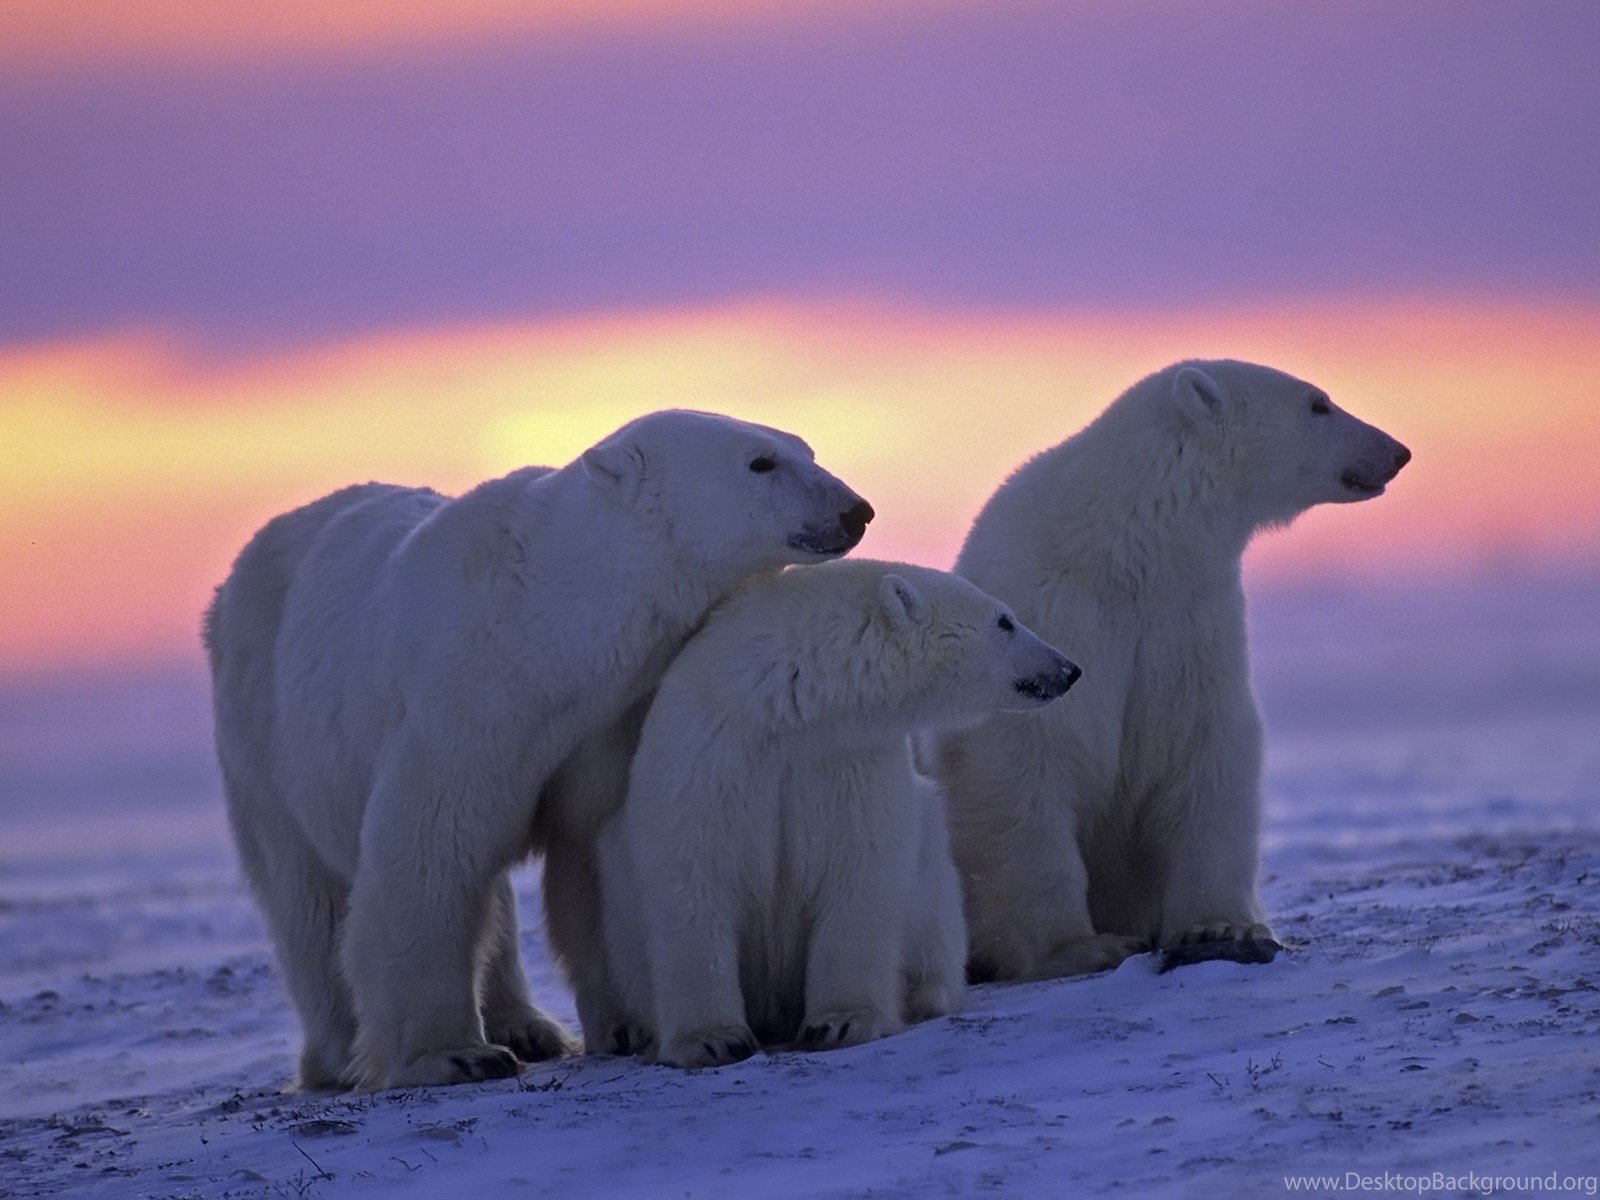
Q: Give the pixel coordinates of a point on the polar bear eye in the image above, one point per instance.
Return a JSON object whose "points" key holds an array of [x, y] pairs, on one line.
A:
{"points": [[1006, 624], [763, 464], [1320, 406]]}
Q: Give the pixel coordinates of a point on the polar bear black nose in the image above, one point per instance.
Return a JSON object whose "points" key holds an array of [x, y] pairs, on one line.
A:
{"points": [[855, 518], [1074, 673], [1401, 457]]}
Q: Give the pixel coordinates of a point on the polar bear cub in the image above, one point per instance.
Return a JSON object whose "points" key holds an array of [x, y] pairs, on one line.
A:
{"points": [[399, 676], [779, 870], [1131, 815]]}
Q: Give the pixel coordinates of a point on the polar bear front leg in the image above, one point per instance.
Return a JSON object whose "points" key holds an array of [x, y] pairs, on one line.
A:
{"points": [[854, 975], [510, 1018], [693, 945], [409, 956], [430, 857], [700, 1018], [1210, 873], [1210, 815], [936, 937]]}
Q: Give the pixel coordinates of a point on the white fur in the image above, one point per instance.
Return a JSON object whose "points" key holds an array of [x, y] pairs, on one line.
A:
{"points": [[1130, 815], [779, 868], [400, 683]]}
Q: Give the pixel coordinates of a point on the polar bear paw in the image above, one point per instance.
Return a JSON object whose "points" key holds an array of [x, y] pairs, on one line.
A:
{"points": [[324, 1069], [531, 1035], [1096, 952], [1221, 931], [467, 1064], [627, 1037], [931, 1001], [713, 1046], [844, 1027]]}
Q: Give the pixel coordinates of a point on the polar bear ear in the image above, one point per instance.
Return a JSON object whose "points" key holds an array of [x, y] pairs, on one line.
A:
{"points": [[615, 463], [900, 600], [1198, 394]]}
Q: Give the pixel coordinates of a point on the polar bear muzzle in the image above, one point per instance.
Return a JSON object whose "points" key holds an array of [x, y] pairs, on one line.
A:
{"points": [[836, 539], [1051, 684], [1382, 465]]}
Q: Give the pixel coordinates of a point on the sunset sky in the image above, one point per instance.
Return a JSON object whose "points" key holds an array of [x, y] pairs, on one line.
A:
{"points": [[251, 252]]}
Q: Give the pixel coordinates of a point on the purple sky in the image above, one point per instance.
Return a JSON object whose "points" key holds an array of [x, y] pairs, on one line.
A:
{"points": [[1012, 154]]}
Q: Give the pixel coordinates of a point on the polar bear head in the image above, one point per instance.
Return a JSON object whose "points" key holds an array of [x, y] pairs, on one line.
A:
{"points": [[1278, 445], [869, 649], [966, 656], [729, 495]]}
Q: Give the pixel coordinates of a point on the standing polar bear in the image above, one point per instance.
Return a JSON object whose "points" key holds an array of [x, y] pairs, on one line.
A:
{"points": [[1130, 816], [399, 680], [779, 868]]}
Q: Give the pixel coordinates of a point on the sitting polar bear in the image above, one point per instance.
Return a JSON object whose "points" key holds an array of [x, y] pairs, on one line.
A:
{"points": [[399, 679], [779, 869], [1131, 815]]}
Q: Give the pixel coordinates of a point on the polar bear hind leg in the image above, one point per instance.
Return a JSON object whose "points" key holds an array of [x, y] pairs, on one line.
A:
{"points": [[305, 906]]}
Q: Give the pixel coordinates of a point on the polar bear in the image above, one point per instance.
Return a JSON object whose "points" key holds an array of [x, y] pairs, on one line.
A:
{"points": [[780, 869], [1130, 816], [398, 678]]}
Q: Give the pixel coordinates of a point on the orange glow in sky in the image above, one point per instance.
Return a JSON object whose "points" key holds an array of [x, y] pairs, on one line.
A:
{"points": [[134, 472], [36, 35]]}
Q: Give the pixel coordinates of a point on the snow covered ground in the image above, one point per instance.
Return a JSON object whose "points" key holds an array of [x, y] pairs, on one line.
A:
{"points": [[1433, 863]]}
